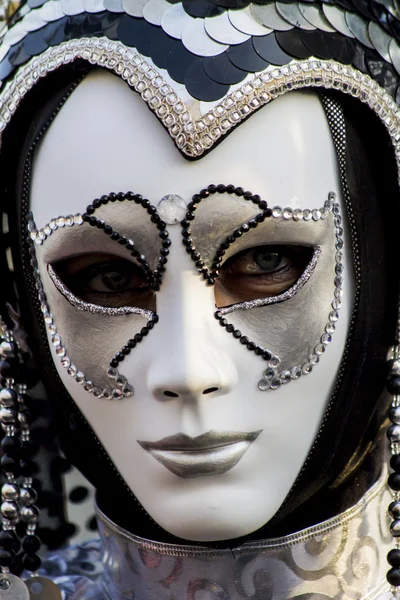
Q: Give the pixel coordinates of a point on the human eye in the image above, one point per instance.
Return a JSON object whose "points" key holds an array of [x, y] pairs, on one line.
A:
{"points": [[260, 272], [106, 280]]}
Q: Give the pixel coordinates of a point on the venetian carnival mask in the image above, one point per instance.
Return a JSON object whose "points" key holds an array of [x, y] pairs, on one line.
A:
{"points": [[198, 440], [212, 313]]}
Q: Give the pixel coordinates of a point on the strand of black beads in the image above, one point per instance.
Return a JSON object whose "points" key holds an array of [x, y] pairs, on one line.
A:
{"points": [[210, 275], [156, 276], [393, 434], [29, 511], [124, 241], [132, 343], [10, 446], [243, 339]]}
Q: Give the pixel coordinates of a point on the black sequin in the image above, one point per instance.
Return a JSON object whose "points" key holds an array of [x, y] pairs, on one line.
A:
{"points": [[17, 54], [35, 43], [74, 27], [54, 33], [5, 68], [221, 70], [314, 41], [179, 61], [341, 48], [200, 86], [198, 8], [110, 26], [243, 56], [268, 48], [291, 43], [93, 24]]}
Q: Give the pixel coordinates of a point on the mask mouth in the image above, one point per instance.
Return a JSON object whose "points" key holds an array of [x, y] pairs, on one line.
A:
{"points": [[205, 441], [211, 453]]}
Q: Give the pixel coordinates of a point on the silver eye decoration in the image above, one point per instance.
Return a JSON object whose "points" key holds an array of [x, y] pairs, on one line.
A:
{"points": [[119, 387], [273, 376]]}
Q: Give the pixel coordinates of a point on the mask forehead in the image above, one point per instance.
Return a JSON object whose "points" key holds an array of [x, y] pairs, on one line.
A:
{"points": [[283, 153]]}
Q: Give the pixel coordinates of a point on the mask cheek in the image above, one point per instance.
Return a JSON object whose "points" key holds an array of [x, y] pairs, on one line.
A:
{"points": [[90, 340], [292, 329]]}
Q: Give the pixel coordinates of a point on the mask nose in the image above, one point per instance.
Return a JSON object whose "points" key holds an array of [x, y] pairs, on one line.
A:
{"points": [[192, 359]]}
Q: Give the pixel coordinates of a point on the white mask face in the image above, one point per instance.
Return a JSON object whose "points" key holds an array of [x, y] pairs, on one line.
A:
{"points": [[194, 378]]}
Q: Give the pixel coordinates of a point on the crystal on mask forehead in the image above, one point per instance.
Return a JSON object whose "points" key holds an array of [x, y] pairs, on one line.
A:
{"points": [[172, 209]]}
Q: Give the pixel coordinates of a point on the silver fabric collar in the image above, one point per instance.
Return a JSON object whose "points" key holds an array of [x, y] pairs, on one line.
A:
{"points": [[343, 558]]}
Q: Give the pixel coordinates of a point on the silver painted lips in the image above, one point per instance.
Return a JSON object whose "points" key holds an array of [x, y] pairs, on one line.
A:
{"points": [[211, 453]]}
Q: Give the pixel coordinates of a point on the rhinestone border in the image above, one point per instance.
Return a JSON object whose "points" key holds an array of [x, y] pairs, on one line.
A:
{"points": [[195, 137]]}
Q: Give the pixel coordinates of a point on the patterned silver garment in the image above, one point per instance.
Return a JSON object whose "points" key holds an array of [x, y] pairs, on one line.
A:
{"points": [[343, 558]]}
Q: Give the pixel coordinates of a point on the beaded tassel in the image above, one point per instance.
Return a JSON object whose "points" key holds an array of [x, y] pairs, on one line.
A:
{"points": [[393, 434], [18, 501]]}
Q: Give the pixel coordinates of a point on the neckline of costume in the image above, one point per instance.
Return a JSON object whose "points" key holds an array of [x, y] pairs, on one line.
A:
{"points": [[342, 558]]}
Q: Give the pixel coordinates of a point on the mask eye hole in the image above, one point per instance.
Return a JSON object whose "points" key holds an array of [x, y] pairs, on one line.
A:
{"points": [[260, 272], [106, 280]]}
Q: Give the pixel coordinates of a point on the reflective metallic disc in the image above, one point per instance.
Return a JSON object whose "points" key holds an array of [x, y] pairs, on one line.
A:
{"points": [[244, 21], [41, 588], [337, 18], [269, 17], [72, 7], [380, 40], [292, 14], [174, 20], [394, 50], [154, 10], [359, 29], [197, 41], [134, 8], [93, 6], [315, 17], [33, 21], [221, 29], [13, 588], [51, 11]]}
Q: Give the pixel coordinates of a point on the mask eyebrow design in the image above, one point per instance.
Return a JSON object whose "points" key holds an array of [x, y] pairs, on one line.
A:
{"points": [[210, 275], [153, 277]]}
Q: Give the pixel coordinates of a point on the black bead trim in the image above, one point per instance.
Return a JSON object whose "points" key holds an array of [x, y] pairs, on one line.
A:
{"points": [[138, 337], [243, 339], [155, 277], [211, 275]]}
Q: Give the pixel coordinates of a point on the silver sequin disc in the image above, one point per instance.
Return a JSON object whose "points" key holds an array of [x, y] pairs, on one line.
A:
{"points": [[13, 588], [172, 209], [41, 588]]}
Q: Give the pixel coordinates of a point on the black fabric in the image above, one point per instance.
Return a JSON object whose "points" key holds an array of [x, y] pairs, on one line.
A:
{"points": [[346, 458]]}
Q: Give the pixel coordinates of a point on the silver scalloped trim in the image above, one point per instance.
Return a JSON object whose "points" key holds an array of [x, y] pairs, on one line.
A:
{"points": [[194, 137], [95, 308]]}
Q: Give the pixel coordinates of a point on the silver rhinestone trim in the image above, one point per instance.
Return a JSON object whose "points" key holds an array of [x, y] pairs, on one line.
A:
{"points": [[194, 137], [38, 236], [95, 308]]}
